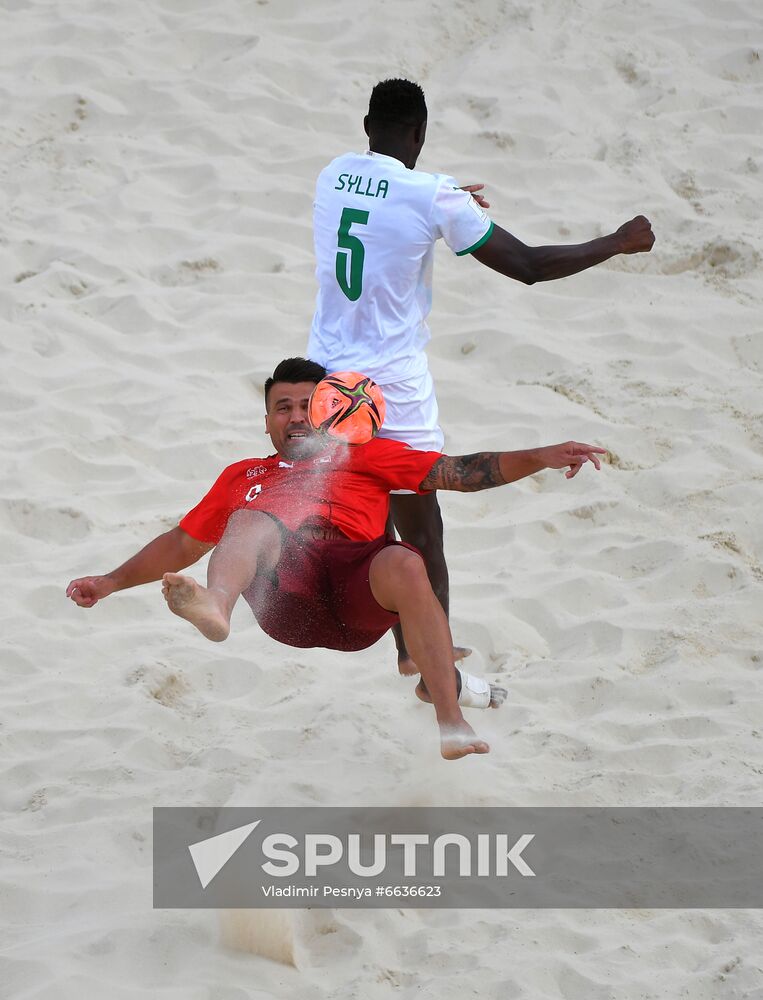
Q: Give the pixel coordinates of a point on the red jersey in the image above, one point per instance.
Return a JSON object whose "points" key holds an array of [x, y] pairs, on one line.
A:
{"points": [[347, 485]]}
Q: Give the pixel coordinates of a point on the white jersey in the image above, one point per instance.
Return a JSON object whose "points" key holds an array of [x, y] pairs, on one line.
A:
{"points": [[375, 226]]}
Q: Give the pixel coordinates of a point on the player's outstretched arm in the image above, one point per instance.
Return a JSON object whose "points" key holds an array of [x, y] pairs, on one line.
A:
{"points": [[167, 553], [485, 469], [506, 254]]}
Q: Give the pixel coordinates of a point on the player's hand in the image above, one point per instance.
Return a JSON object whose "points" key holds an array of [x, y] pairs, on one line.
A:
{"points": [[472, 189], [572, 453], [88, 590], [636, 236]]}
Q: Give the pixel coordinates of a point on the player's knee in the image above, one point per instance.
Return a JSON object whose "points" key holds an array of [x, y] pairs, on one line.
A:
{"points": [[252, 524], [410, 570], [251, 518]]}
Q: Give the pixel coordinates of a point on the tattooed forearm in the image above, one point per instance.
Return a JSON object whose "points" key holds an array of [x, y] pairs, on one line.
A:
{"points": [[466, 473]]}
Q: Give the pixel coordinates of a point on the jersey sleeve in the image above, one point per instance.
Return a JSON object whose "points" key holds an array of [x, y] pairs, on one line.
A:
{"points": [[458, 218], [207, 521], [401, 467]]}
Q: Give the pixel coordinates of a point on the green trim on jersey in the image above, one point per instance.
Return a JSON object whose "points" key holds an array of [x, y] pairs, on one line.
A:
{"points": [[478, 244]]}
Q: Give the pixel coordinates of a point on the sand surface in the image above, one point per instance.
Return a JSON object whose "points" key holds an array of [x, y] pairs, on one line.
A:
{"points": [[158, 161]]}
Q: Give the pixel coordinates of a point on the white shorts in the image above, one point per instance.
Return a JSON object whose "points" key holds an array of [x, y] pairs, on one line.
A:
{"points": [[412, 414]]}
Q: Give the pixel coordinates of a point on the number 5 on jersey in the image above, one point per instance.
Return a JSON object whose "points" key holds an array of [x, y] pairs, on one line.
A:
{"points": [[351, 254]]}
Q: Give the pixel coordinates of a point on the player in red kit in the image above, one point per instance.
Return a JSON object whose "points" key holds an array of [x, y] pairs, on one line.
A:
{"points": [[301, 535]]}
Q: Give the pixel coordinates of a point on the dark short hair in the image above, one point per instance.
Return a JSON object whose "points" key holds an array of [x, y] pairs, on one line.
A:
{"points": [[293, 371], [397, 102]]}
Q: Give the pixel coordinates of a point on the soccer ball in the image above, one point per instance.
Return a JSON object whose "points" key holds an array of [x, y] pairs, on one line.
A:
{"points": [[348, 406]]}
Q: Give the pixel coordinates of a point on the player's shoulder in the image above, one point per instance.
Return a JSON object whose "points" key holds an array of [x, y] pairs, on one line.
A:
{"points": [[439, 191], [435, 181], [380, 449]]}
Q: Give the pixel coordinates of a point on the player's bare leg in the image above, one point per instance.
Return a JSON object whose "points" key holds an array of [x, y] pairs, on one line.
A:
{"points": [[399, 582], [251, 541], [419, 522], [406, 664]]}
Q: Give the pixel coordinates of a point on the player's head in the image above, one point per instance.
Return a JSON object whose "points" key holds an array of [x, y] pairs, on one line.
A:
{"points": [[287, 393], [397, 116], [292, 371]]}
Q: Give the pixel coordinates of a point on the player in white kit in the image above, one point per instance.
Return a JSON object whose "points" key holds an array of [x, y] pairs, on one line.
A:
{"points": [[376, 221]]}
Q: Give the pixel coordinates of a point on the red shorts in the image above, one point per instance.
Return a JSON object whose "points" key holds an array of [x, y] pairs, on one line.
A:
{"points": [[319, 594]]}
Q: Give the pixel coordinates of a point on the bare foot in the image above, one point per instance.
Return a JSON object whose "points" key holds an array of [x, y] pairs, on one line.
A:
{"points": [[199, 606], [460, 740], [408, 668], [497, 695]]}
